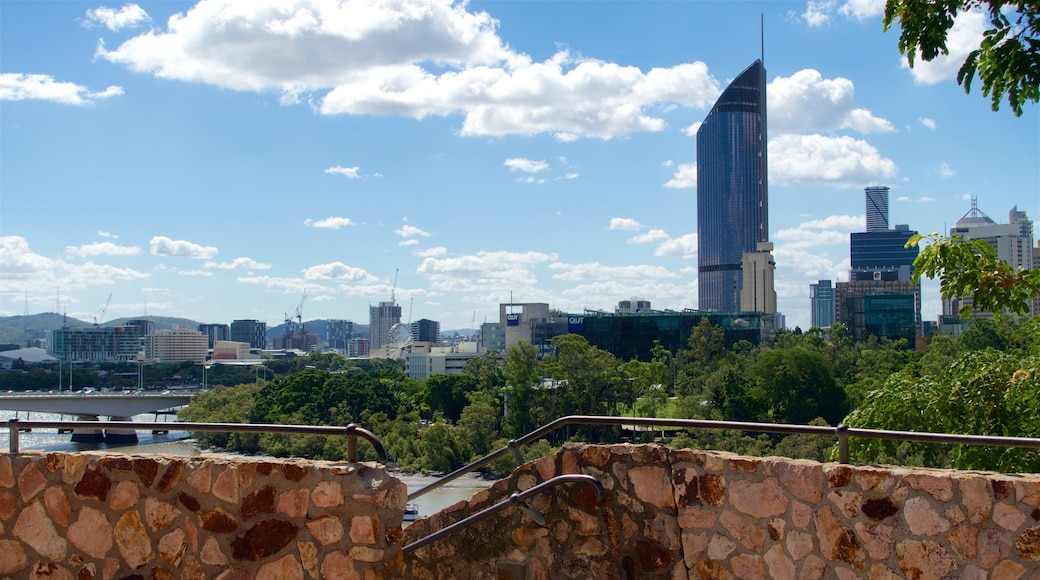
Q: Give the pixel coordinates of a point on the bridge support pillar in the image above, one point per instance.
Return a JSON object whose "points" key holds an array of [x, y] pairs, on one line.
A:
{"points": [[120, 435], [87, 435]]}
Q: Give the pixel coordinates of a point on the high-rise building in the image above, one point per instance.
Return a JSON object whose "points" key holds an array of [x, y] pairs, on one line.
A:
{"points": [[426, 330], [252, 331], [215, 332], [380, 320], [732, 189], [176, 345], [885, 309], [1013, 243], [95, 343], [758, 293], [339, 333], [877, 208], [821, 302]]}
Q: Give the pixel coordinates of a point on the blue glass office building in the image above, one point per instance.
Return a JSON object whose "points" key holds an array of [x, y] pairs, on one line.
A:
{"points": [[732, 187]]}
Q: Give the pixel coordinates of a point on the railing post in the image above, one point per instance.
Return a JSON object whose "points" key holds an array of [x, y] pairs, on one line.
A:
{"points": [[842, 431], [515, 448], [12, 425], [352, 443]]}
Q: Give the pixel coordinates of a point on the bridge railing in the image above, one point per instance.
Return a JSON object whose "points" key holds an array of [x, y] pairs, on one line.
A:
{"points": [[842, 433], [351, 431]]}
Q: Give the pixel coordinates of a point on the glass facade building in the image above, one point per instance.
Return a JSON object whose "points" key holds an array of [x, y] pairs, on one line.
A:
{"points": [[732, 187], [882, 250], [821, 299]]}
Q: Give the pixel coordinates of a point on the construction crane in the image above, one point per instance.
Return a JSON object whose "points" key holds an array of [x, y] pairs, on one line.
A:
{"points": [[393, 289], [104, 309]]}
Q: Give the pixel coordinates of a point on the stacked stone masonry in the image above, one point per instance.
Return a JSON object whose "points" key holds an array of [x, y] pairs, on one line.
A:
{"points": [[153, 517], [700, 514], [666, 514]]}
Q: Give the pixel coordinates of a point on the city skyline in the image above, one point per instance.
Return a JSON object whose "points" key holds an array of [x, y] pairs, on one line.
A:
{"points": [[219, 160]]}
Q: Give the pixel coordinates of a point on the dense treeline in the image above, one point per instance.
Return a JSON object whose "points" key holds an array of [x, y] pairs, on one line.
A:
{"points": [[984, 381]]}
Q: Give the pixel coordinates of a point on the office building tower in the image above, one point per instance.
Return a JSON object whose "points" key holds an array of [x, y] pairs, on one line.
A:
{"points": [[426, 331], [821, 303], [1013, 243], [732, 189], [176, 345], [381, 319], [215, 332], [339, 333], [884, 309], [877, 208], [252, 331], [758, 293]]}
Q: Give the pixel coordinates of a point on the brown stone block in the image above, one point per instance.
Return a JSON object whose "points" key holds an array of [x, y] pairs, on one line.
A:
{"points": [[711, 570], [264, 539], [53, 462], [171, 476], [596, 455], [6, 472], [1028, 545], [31, 481], [116, 463], [293, 472], [327, 494], [218, 521], [838, 475], [132, 540], [146, 470], [189, 501], [159, 573], [12, 557], [924, 559], [159, 514], [684, 484], [91, 533], [57, 504], [260, 501], [712, 489], [879, 508], [94, 484], [8, 505]]}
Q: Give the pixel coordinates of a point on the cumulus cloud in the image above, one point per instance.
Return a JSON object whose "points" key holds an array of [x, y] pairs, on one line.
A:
{"points": [[282, 285], [862, 9], [526, 165], [331, 223], [164, 246], [337, 271], [25, 267], [129, 16], [409, 231], [431, 252], [929, 123], [408, 242], [682, 247], [964, 37], [597, 271], [484, 271], [101, 249], [412, 58], [104, 234], [628, 224], [818, 12], [841, 161], [649, 237], [805, 102], [351, 172], [20, 87], [685, 177], [945, 171], [238, 264]]}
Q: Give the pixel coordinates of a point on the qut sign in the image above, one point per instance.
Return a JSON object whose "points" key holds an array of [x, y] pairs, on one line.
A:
{"points": [[575, 323], [513, 319]]}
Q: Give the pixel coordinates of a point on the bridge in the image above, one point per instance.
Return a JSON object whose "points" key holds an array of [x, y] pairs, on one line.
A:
{"points": [[91, 406]]}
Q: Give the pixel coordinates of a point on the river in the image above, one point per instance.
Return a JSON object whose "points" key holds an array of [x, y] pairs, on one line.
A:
{"points": [[179, 443]]}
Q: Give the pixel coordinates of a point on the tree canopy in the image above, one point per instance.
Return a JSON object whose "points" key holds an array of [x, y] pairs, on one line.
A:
{"points": [[1007, 60]]}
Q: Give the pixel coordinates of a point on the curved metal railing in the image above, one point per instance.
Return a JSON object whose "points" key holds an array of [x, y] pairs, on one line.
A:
{"points": [[351, 431], [514, 500], [841, 433]]}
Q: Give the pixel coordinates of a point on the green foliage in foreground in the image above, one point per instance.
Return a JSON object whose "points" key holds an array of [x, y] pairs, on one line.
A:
{"points": [[986, 393]]}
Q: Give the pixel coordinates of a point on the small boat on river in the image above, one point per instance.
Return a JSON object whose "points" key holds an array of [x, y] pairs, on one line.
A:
{"points": [[411, 512]]}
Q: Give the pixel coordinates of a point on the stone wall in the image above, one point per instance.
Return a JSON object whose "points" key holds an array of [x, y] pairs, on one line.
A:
{"points": [[114, 516], [700, 514]]}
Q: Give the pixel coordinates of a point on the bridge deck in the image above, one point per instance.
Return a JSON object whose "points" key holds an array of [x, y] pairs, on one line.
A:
{"points": [[94, 404]]}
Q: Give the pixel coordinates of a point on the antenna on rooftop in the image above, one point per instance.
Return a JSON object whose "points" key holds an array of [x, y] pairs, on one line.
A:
{"points": [[762, 35]]}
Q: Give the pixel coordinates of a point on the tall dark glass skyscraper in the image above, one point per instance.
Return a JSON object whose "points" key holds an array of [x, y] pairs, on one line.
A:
{"points": [[732, 188]]}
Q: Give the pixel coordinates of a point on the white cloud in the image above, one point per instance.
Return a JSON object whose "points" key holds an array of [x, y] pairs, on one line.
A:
{"points": [[929, 123], [806, 102], [104, 234], [683, 247], [101, 249], [818, 12], [331, 223], [685, 177], [946, 171], [841, 161], [863, 9], [845, 223], [164, 246], [408, 231], [485, 271], [691, 130], [408, 242], [337, 271], [649, 237], [129, 16], [351, 172], [283, 285], [431, 252], [526, 165], [597, 271], [238, 264], [964, 37], [19, 87], [628, 224], [567, 176], [409, 58], [22, 268]]}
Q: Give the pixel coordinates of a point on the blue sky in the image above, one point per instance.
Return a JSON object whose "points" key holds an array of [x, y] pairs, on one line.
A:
{"points": [[218, 160]]}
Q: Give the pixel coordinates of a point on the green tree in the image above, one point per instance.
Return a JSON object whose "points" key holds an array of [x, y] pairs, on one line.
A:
{"points": [[1007, 60], [446, 394], [798, 386], [478, 425], [487, 369], [522, 376]]}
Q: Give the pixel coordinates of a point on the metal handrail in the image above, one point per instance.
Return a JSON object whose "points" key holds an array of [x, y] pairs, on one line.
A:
{"points": [[514, 500], [351, 431], [841, 432]]}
